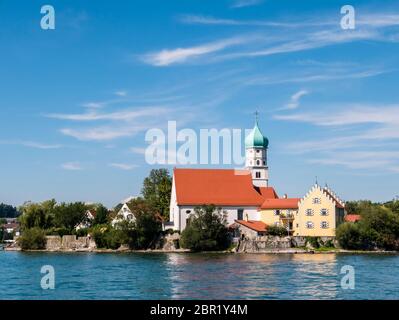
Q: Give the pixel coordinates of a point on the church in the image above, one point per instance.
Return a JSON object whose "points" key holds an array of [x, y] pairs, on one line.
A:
{"points": [[247, 200]]}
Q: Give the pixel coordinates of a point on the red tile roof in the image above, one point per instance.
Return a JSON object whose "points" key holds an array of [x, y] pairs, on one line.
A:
{"points": [[352, 217], [267, 192], [221, 187], [289, 203], [258, 226]]}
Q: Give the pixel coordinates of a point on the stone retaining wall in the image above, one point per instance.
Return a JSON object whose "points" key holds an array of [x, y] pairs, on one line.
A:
{"points": [[69, 242], [265, 243]]}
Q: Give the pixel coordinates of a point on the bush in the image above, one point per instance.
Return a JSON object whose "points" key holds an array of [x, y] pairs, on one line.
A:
{"points": [[32, 239], [108, 237], [276, 231], [206, 231], [378, 229], [57, 232], [313, 241], [81, 232]]}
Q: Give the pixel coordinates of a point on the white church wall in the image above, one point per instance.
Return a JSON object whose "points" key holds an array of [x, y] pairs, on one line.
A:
{"points": [[251, 213]]}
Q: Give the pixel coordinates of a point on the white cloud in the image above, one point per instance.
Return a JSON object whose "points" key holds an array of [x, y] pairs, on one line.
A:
{"points": [[105, 133], [295, 98], [351, 115], [368, 137], [122, 115], [121, 93], [172, 56], [245, 3], [123, 166], [32, 144], [72, 166]]}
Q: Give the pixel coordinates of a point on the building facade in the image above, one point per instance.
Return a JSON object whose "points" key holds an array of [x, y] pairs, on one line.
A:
{"points": [[246, 199]]}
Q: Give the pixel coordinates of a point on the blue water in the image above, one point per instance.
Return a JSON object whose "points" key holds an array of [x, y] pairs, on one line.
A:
{"points": [[197, 276]]}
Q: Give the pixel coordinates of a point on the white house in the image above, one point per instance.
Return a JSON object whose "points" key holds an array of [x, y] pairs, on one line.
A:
{"points": [[124, 214], [89, 217]]}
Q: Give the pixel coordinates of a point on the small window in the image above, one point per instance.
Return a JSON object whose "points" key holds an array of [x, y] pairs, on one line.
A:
{"points": [[257, 162], [324, 212], [297, 225], [324, 224], [257, 175], [264, 162], [309, 212], [188, 211], [276, 212], [316, 200], [309, 225], [257, 151]]}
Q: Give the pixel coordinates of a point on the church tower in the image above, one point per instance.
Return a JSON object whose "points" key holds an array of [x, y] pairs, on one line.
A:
{"points": [[256, 156]]}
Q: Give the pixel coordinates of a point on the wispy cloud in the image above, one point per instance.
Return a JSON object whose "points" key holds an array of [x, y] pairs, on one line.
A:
{"points": [[351, 115], [123, 166], [172, 56], [294, 100], [31, 144], [122, 115], [367, 129], [121, 93], [209, 20], [104, 133], [245, 3], [300, 77], [72, 166]]}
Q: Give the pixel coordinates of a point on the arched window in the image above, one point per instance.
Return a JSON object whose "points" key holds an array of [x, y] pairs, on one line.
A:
{"points": [[257, 162]]}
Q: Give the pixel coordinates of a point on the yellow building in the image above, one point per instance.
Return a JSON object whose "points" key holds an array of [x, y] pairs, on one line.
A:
{"points": [[316, 215], [319, 213], [280, 212]]}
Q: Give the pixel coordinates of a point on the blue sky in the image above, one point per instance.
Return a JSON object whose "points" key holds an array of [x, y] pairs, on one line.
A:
{"points": [[76, 101]]}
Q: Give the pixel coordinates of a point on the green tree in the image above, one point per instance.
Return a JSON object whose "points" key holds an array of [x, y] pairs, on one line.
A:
{"points": [[157, 189], [101, 215], [69, 215], [39, 215], [378, 229], [144, 230], [206, 230], [32, 239], [276, 231], [7, 211]]}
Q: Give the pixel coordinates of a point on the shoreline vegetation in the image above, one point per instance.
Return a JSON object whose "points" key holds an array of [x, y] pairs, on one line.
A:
{"points": [[45, 225]]}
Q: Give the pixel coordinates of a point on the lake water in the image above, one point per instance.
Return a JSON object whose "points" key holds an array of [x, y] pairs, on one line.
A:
{"points": [[198, 276]]}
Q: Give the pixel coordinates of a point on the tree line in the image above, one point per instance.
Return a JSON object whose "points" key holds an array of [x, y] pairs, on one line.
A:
{"points": [[378, 228]]}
